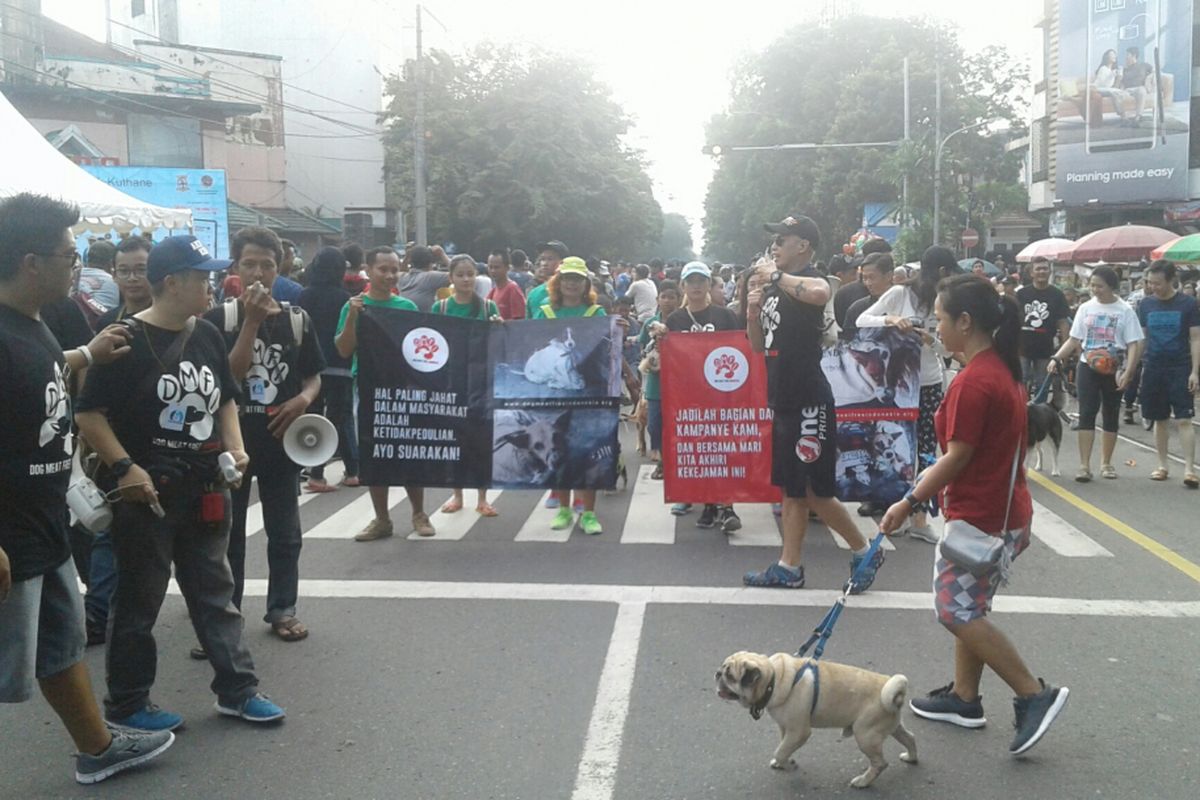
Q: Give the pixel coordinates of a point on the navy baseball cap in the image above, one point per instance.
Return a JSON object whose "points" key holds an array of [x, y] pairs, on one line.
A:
{"points": [[178, 253]]}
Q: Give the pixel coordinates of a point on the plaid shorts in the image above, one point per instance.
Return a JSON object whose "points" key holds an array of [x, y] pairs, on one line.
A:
{"points": [[960, 597]]}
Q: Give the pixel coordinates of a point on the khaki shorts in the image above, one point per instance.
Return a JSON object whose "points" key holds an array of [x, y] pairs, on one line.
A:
{"points": [[41, 631]]}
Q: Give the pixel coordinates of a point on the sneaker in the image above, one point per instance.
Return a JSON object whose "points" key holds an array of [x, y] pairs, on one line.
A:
{"points": [[551, 502], [776, 575], [150, 718], [1128, 418], [679, 509], [867, 577], [376, 529], [1148, 424], [1035, 715], [943, 705], [923, 532], [729, 520], [590, 524], [422, 525], [708, 517], [564, 519], [128, 749], [867, 509], [255, 708]]}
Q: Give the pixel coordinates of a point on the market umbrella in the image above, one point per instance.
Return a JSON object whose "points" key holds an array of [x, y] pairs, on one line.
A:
{"points": [[1184, 250], [989, 268], [1045, 248], [1120, 244]]}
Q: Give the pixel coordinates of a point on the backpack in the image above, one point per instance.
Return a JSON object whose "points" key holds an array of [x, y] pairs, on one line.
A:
{"points": [[295, 316]]}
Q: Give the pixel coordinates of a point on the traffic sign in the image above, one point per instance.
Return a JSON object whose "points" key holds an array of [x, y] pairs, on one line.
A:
{"points": [[970, 238]]}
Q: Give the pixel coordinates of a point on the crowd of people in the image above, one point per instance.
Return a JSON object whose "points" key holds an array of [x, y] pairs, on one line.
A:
{"points": [[181, 374]]}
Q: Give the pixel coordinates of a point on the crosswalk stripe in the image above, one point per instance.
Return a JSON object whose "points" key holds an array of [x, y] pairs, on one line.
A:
{"points": [[452, 527], [352, 518], [652, 522], [1062, 537], [254, 513], [759, 527], [537, 526]]}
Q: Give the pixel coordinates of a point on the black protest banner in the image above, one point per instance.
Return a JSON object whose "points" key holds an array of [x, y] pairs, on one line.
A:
{"points": [[556, 389], [423, 416]]}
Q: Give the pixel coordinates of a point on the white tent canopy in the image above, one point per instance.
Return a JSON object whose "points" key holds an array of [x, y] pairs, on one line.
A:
{"points": [[29, 163]]}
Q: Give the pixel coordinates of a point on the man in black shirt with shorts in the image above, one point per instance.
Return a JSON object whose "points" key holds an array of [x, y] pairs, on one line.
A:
{"points": [[41, 610], [785, 320]]}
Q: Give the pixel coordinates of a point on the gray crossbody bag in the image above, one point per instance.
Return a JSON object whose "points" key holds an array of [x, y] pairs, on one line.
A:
{"points": [[974, 550]]}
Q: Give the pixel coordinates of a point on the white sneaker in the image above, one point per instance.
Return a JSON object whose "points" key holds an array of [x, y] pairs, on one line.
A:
{"points": [[923, 532]]}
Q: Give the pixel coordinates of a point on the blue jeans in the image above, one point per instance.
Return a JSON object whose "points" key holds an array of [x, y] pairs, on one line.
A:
{"points": [[102, 579]]}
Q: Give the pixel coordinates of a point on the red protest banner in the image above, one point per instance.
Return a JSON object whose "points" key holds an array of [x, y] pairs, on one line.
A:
{"points": [[716, 424]]}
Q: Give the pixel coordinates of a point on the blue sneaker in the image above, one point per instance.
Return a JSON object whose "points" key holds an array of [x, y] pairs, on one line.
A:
{"points": [[867, 576], [150, 718], [680, 509], [776, 575], [256, 708], [551, 502]]}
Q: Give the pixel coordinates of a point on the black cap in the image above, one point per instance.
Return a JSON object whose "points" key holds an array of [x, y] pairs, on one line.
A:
{"points": [[556, 246], [178, 253], [797, 225]]}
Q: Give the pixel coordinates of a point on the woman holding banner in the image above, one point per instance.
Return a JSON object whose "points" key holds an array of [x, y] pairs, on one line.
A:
{"points": [[910, 308], [465, 302], [570, 294]]}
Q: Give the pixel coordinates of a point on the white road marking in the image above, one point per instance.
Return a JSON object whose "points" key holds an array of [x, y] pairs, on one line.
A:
{"points": [[537, 526], [760, 528], [714, 595], [652, 522], [597, 773], [347, 521], [1062, 537], [452, 527], [254, 513]]}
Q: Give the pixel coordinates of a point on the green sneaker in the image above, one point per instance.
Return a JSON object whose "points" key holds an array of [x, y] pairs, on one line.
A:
{"points": [[564, 519], [590, 524]]}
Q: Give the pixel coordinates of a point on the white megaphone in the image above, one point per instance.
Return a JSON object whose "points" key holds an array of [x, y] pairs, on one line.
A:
{"points": [[311, 440]]}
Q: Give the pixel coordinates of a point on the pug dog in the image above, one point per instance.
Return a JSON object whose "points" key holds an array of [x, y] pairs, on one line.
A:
{"points": [[802, 693]]}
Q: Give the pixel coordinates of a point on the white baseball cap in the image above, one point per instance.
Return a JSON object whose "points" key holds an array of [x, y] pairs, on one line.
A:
{"points": [[695, 268]]}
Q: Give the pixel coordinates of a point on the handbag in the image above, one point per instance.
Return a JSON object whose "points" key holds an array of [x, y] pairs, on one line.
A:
{"points": [[974, 550]]}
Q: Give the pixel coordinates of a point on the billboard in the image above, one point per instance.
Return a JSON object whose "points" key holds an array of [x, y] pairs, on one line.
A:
{"points": [[1124, 101], [201, 190]]}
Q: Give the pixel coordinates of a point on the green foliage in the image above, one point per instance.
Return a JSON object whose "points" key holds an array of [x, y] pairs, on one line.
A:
{"points": [[675, 241], [845, 83], [520, 151]]}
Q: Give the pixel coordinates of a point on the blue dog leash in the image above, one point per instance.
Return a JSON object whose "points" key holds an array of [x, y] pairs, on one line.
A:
{"points": [[823, 631], [1040, 397]]}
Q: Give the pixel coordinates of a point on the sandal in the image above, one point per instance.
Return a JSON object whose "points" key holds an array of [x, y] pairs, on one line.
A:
{"points": [[486, 510], [289, 629], [313, 487], [451, 506], [1108, 471], [1083, 475], [1191, 481], [657, 475], [1160, 474], [351, 481]]}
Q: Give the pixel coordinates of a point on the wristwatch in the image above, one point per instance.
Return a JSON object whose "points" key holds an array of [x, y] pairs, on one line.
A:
{"points": [[776, 276], [913, 502], [120, 468]]}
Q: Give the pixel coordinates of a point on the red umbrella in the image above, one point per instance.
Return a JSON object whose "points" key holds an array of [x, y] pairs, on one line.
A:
{"points": [[1122, 243], [1045, 248]]}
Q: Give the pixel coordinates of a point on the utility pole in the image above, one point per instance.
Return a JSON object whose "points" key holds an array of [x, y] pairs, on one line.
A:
{"points": [[419, 142], [937, 156], [904, 185]]}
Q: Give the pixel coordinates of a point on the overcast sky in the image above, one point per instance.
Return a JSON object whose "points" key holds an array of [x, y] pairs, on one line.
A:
{"points": [[667, 62]]}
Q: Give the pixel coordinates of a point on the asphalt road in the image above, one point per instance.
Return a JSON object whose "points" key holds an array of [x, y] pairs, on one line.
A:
{"points": [[496, 665]]}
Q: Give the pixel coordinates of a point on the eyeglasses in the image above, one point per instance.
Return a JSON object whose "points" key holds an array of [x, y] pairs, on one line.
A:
{"points": [[126, 273], [73, 255]]}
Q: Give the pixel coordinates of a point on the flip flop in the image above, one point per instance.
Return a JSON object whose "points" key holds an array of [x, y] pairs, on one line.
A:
{"points": [[1160, 474], [1191, 481], [486, 510], [451, 506], [289, 629]]}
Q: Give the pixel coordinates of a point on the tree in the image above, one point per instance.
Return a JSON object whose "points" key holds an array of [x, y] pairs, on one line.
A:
{"points": [[675, 243], [520, 150], [844, 83]]}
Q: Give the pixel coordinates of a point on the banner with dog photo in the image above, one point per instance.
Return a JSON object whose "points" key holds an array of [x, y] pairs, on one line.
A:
{"points": [[716, 424], [423, 394], [876, 382], [556, 392]]}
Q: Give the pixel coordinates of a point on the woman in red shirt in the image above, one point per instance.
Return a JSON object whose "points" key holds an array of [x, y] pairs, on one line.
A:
{"points": [[980, 426]]}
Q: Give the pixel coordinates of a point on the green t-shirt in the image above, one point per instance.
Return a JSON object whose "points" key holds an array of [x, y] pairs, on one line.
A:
{"points": [[565, 312], [452, 308], [650, 388], [537, 297], [395, 301]]}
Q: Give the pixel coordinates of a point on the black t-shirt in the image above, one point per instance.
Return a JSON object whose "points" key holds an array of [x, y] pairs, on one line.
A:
{"points": [[847, 296], [850, 326], [67, 322], [792, 334], [1041, 311], [37, 443], [115, 314], [156, 411], [713, 318], [324, 306], [278, 366]]}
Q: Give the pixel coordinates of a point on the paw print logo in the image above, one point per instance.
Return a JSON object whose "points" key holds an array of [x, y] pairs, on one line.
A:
{"points": [[726, 365], [268, 367], [190, 401], [1036, 313], [769, 319], [58, 414], [426, 347]]}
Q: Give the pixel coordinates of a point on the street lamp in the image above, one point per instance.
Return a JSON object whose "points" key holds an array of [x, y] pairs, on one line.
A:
{"points": [[937, 180]]}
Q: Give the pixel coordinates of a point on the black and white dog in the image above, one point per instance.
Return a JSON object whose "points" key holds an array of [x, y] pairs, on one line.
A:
{"points": [[1044, 423]]}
